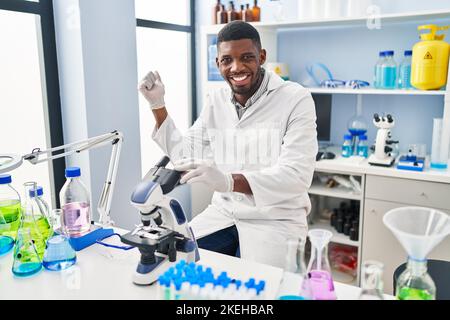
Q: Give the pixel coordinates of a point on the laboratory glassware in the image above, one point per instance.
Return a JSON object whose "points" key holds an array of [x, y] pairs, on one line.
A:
{"points": [[75, 202], [59, 254], [216, 8], [347, 149], [9, 207], [438, 158], [26, 258], [44, 208], [362, 149], [372, 281], [34, 219], [357, 125], [377, 71], [418, 230], [248, 14], [404, 79], [319, 270], [430, 59], [232, 13], [222, 15], [295, 263], [6, 242], [213, 71], [388, 77], [256, 11]]}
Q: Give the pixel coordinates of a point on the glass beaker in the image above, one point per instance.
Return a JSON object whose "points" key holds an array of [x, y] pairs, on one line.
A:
{"points": [[295, 263], [34, 219], [372, 281], [319, 270], [59, 254], [26, 258], [415, 283]]}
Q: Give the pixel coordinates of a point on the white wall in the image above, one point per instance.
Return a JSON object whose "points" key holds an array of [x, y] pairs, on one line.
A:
{"points": [[96, 43]]}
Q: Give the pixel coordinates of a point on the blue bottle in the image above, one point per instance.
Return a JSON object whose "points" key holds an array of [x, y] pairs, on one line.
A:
{"points": [[213, 71], [389, 71], [347, 146], [363, 148], [404, 81], [377, 71]]}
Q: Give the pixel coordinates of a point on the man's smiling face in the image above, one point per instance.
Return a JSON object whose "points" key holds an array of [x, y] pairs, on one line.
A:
{"points": [[239, 62]]}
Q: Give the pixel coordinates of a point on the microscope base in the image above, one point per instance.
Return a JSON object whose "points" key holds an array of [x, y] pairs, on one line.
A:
{"points": [[374, 161]]}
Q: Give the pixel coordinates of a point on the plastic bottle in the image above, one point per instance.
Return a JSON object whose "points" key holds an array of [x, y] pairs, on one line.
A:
{"points": [[389, 72], [362, 149], [213, 71], [404, 79], [347, 146], [9, 208], [377, 71], [75, 202]]}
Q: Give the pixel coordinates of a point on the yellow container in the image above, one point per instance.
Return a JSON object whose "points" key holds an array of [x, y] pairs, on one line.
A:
{"points": [[430, 59]]}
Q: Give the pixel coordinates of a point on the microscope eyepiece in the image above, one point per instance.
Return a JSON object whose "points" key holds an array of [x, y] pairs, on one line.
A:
{"points": [[376, 117], [389, 118]]}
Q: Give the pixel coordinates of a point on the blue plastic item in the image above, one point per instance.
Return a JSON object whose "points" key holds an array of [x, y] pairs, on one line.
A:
{"points": [[95, 234], [362, 149], [411, 163], [73, 172], [347, 146]]}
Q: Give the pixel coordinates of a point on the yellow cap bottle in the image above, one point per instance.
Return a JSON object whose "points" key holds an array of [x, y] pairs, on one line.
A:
{"points": [[430, 59]]}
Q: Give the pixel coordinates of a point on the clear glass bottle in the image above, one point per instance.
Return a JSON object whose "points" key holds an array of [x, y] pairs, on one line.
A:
{"points": [[372, 281], [75, 202], [415, 283], [404, 79], [35, 219], [27, 261], [319, 270], [9, 207], [347, 149], [389, 72], [377, 72], [363, 149]]}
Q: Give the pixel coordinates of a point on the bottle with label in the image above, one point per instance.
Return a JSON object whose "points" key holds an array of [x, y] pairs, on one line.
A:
{"points": [[232, 13], [9, 208], [362, 149], [377, 73], [404, 79], [222, 15], [75, 202], [256, 11], [217, 7], [389, 72], [347, 149]]}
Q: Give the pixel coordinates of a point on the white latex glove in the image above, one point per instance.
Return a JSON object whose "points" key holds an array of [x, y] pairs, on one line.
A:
{"points": [[205, 172], [153, 90]]}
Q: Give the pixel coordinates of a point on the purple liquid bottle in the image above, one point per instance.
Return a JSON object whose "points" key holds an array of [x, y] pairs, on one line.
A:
{"points": [[75, 203]]}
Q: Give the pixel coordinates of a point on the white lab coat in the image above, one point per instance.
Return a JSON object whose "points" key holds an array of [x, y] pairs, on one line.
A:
{"points": [[274, 146]]}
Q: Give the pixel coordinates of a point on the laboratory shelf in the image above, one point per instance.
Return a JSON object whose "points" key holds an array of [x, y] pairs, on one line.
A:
{"points": [[372, 91], [336, 192], [337, 237], [344, 21]]}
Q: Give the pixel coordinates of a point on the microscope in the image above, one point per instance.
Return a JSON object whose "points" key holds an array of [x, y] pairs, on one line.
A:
{"points": [[383, 149], [164, 236]]}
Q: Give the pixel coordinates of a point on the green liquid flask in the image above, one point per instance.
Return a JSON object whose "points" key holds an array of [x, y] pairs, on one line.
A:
{"points": [[35, 220], [26, 258], [415, 283], [9, 208]]}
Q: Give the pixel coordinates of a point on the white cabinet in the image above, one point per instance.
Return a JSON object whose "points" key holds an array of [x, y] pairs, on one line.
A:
{"points": [[378, 242]]}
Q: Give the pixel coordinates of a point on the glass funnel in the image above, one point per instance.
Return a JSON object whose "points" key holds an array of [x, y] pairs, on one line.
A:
{"points": [[319, 270], [26, 259], [372, 281], [34, 219], [59, 254]]}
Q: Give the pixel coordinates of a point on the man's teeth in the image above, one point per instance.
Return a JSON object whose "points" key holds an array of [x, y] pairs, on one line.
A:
{"points": [[241, 78]]}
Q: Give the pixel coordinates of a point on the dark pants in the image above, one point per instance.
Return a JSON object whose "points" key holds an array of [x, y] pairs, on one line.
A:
{"points": [[224, 241]]}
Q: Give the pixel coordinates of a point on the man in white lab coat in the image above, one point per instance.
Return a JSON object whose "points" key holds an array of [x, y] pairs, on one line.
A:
{"points": [[254, 143]]}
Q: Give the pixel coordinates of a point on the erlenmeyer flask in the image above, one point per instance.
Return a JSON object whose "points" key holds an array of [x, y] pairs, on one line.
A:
{"points": [[59, 254], [6, 242], [372, 283], [319, 270], [34, 219], [26, 258]]}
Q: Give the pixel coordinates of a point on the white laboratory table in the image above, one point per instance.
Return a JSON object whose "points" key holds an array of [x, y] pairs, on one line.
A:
{"points": [[103, 273]]}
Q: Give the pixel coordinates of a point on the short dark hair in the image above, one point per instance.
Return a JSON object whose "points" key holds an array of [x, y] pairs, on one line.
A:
{"points": [[237, 30]]}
